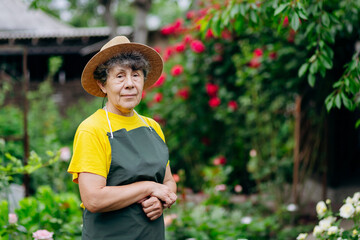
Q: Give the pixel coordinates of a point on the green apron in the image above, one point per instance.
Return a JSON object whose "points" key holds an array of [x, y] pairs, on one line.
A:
{"points": [[136, 155]]}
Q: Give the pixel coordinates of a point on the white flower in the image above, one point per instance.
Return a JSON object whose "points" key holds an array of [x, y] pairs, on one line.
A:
{"points": [[333, 230], [325, 224], [13, 218], [246, 220], [356, 197], [317, 231], [347, 210], [292, 207], [349, 200], [301, 236], [357, 210], [321, 208]]}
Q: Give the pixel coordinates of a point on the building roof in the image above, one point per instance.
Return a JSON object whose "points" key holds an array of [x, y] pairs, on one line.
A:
{"points": [[15, 15]]}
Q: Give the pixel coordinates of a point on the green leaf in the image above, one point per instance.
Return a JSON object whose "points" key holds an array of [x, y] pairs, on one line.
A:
{"points": [[357, 124], [329, 101], [281, 8], [326, 62], [254, 17], [303, 69], [302, 14], [311, 80], [347, 102], [295, 22], [314, 67], [325, 20], [338, 101]]}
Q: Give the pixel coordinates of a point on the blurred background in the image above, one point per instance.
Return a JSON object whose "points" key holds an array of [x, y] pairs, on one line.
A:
{"points": [[258, 101]]}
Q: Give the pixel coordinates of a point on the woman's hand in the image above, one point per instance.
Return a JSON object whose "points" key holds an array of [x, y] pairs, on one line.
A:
{"points": [[152, 207], [164, 194]]}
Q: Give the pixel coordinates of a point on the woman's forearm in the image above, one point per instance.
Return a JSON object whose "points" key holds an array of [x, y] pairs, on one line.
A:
{"points": [[97, 197]]}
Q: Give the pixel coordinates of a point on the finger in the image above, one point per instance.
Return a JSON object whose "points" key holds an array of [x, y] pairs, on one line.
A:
{"points": [[142, 200]]}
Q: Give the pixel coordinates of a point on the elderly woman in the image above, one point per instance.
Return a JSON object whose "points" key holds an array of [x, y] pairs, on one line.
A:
{"points": [[120, 158]]}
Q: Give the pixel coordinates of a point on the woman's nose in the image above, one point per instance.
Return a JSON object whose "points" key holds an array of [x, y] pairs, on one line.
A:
{"points": [[129, 83]]}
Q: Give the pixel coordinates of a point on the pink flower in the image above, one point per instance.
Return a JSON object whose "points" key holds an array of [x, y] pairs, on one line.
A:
{"points": [[232, 105], [179, 47], [177, 70], [160, 81], [13, 218], [221, 160], [258, 52], [220, 188], [43, 235], [159, 119], [217, 58], [252, 153], [65, 154], [176, 177], [143, 94], [183, 93], [238, 188], [158, 97], [212, 89], [197, 46], [167, 30], [219, 48], [214, 102]]}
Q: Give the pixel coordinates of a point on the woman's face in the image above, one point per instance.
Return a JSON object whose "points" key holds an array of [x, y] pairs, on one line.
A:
{"points": [[124, 88]]}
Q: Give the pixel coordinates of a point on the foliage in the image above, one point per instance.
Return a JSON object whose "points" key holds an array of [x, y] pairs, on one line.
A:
{"points": [[329, 222], [221, 216], [59, 213], [316, 26]]}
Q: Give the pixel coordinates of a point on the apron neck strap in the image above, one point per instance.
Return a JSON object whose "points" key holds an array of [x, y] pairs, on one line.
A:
{"points": [[107, 116], [111, 132]]}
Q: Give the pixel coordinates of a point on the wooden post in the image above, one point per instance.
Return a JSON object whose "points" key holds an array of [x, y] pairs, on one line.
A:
{"points": [[297, 115], [25, 113]]}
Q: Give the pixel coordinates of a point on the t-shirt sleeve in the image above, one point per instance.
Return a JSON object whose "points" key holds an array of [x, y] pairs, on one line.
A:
{"points": [[89, 155]]}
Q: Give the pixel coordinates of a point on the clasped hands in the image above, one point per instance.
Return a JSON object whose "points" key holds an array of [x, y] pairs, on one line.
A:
{"points": [[154, 204]]}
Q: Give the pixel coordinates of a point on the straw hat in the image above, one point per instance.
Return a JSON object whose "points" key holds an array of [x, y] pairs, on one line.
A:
{"points": [[116, 46]]}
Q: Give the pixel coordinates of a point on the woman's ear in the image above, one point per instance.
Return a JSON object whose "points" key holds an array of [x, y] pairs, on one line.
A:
{"points": [[101, 86]]}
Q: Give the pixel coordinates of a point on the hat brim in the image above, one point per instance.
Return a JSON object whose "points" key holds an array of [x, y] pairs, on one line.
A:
{"points": [[156, 65]]}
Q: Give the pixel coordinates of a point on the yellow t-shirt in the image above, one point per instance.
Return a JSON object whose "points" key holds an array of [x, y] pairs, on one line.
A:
{"points": [[92, 151]]}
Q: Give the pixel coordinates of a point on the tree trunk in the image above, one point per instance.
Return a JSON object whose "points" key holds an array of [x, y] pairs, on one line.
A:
{"points": [[140, 29], [109, 19]]}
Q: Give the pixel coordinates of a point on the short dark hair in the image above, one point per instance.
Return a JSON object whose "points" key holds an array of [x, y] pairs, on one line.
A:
{"points": [[133, 59]]}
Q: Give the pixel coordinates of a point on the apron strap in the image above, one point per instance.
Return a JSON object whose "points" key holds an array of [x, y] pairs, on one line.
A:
{"points": [[143, 120], [107, 116], [111, 132]]}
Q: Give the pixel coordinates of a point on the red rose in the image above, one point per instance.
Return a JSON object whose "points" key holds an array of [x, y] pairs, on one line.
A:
{"points": [[221, 160], [197, 46], [183, 93], [190, 14], [273, 55], [158, 97], [179, 47], [177, 70], [214, 102], [160, 81], [209, 33], [258, 52], [167, 30], [158, 49], [254, 63], [232, 105], [187, 39], [143, 95], [286, 21], [212, 89], [226, 34]]}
